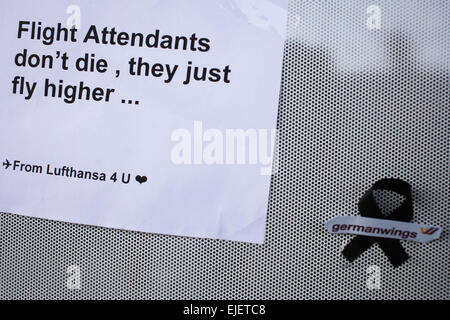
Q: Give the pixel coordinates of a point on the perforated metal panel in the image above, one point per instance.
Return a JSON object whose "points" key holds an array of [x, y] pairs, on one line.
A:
{"points": [[357, 104]]}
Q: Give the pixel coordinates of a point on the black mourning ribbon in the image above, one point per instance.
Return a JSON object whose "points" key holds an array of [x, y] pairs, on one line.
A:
{"points": [[368, 208]]}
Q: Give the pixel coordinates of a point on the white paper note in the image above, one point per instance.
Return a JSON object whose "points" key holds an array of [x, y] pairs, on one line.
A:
{"points": [[154, 116]]}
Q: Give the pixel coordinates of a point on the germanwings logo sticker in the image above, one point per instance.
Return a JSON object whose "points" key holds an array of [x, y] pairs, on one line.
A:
{"points": [[383, 228]]}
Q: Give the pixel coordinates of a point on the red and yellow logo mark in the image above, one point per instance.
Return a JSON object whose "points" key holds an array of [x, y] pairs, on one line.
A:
{"points": [[428, 231]]}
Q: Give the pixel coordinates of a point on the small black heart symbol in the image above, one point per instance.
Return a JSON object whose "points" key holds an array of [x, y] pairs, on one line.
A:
{"points": [[141, 179]]}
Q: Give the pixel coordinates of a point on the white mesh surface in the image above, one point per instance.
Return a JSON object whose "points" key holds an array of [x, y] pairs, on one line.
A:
{"points": [[356, 105]]}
